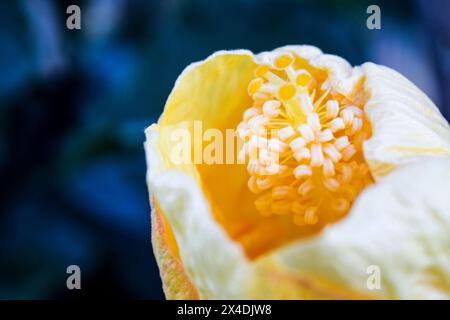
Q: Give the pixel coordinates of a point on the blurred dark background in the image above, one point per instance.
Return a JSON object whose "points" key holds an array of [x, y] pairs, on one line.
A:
{"points": [[74, 105]]}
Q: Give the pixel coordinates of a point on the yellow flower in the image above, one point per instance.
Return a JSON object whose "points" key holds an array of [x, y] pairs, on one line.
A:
{"points": [[309, 207]]}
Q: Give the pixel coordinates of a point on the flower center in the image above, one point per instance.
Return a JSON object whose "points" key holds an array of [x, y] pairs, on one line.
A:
{"points": [[302, 143]]}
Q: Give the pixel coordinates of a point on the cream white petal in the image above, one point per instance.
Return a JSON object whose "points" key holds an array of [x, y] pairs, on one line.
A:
{"points": [[303, 51], [341, 76], [406, 125]]}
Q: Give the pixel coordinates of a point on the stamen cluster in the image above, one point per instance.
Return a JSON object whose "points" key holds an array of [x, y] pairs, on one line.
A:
{"points": [[302, 143]]}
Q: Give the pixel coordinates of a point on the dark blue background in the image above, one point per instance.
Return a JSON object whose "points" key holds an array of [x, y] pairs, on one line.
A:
{"points": [[74, 105]]}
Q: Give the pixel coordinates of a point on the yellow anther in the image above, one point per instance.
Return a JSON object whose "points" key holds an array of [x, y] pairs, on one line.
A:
{"points": [[356, 126], [347, 116], [297, 144], [332, 152], [257, 122], [360, 137], [357, 112], [269, 88], [298, 208], [362, 170], [341, 143], [340, 205], [263, 204], [306, 132], [271, 108], [331, 184], [348, 152], [305, 188], [281, 207], [276, 145], [255, 168], [311, 215], [302, 170], [303, 78], [328, 168], [332, 107], [264, 183], [242, 127], [283, 60], [299, 218], [301, 154], [346, 173], [251, 149], [337, 124], [286, 132], [261, 70], [313, 120], [353, 165], [260, 96], [258, 142], [316, 155], [242, 156], [254, 85], [274, 79], [250, 113], [283, 171], [325, 86], [266, 157], [273, 169], [325, 135], [306, 104], [286, 91], [348, 192], [252, 185], [280, 192]]}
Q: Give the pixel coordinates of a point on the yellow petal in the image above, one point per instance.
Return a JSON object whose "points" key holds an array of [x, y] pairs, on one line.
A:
{"points": [[211, 90], [406, 125]]}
